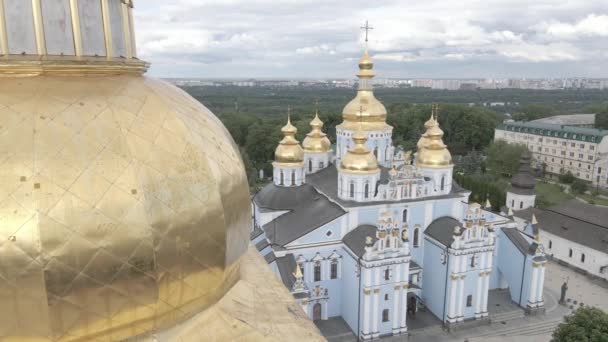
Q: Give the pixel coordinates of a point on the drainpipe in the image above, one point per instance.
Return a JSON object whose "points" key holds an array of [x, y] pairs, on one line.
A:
{"points": [[445, 291], [521, 289], [359, 304]]}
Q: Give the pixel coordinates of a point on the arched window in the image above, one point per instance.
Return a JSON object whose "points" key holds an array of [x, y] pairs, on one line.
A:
{"points": [[521, 205], [317, 271], [416, 237], [388, 242], [293, 178], [366, 190], [282, 180], [334, 269], [404, 216], [352, 190], [385, 314], [550, 244], [442, 182], [309, 165], [387, 274], [512, 203], [376, 152], [570, 253], [583, 257]]}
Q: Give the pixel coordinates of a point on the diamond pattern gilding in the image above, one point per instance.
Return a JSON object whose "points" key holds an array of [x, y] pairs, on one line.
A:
{"points": [[112, 199]]}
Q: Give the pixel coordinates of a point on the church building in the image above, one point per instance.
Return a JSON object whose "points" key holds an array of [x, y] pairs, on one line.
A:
{"points": [[371, 233]]}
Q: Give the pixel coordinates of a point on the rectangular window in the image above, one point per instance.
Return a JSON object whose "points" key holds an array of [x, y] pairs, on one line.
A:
{"points": [[385, 314], [550, 244], [334, 270], [387, 274], [591, 147], [469, 301], [570, 253], [317, 271]]}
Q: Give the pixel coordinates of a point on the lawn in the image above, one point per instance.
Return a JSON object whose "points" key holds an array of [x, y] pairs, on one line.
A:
{"points": [[594, 200], [548, 195]]}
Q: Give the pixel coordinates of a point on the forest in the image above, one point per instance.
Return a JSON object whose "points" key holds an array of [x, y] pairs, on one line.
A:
{"points": [[254, 115]]}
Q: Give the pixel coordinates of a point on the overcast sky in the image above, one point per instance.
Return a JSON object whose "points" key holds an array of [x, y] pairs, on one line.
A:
{"points": [[322, 39]]}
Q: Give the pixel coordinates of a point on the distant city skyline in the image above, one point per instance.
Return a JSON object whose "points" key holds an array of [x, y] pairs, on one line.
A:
{"points": [[321, 39]]}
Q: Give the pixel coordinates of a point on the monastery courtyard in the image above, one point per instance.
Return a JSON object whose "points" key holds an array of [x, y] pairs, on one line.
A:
{"points": [[509, 323]]}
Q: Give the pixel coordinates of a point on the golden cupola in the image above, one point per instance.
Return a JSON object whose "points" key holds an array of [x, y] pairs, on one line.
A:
{"points": [[365, 109], [432, 152], [359, 159], [124, 203], [289, 150], [316, 141]]}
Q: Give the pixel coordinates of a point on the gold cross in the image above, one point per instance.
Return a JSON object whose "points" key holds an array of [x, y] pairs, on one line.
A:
{"points": [[366, 28]]}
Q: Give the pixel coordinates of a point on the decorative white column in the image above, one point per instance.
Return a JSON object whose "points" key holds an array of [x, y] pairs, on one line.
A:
{"points": [[396, 300], [533, 289], [403, 323], [453, 294], [325, 269], [479, 293], [486, 287], [461, 299], [366, 295], [324, 314], [541, 284], [375, 331]]}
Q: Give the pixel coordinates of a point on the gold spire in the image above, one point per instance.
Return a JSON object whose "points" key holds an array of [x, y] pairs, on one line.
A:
{"points": [[298, 272], [289, 150], [359, 159], [488, 204], [316, 140], [432, 152], [510, 212], [534, 220], [372, 116]]}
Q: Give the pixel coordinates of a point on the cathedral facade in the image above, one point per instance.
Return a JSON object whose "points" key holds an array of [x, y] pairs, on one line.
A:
{"points": [[371, 233]]}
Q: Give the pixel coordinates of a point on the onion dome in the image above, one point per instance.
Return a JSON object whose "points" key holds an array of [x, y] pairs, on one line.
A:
{"points": [[316, 140], [359, 159], [365, 110], [432, 152], [523, 181], [124, 205], [289, 150]]}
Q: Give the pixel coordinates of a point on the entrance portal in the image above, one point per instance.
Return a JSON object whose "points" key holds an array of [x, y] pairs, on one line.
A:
{"points": [[316, 312]]}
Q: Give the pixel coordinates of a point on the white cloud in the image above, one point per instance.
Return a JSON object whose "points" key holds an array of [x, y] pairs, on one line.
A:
{"points": [[316, 38]]}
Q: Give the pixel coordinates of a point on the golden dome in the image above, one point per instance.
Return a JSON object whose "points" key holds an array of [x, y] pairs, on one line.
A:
{"points": [[364, 111], [432, 152], [316, 140], [359, 159], [123, 207], [289, 150]]}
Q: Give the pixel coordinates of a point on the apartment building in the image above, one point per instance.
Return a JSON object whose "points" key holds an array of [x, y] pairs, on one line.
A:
{"points": [[580, 150]]}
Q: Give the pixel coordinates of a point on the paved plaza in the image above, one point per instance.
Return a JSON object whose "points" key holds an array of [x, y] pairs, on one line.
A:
{"points": [[508, 322]]}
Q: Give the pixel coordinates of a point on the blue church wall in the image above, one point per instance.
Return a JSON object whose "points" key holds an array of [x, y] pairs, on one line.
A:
{"points": [[385, 328], [509, 264], [434, 280], [350, 292]]}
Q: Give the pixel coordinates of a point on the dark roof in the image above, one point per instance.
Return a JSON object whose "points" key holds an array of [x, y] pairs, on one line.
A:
{"points": [[355, 239], [307, 210], [270, 257], [518, 239], [262, 244], [414, 265], [287, 266], [523, 180], [326, 181], [553, 130], [255, 233], [442, 230], [579, 222]]}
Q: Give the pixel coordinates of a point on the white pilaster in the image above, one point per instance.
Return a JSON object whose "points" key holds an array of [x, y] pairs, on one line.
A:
{"points": [[366, 311], [541, 284], [532, 290], [479, 293], [403, 322], [461, 298], [375, 317], [396, 301]]}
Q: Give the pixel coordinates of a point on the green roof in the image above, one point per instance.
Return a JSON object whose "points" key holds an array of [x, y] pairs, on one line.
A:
{"points": [[593, 135]]}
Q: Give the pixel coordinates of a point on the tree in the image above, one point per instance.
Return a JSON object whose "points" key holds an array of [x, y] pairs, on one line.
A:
{"points": [[503, 158], [586, 324], [601, 117], [578, 186], [566, 178]]}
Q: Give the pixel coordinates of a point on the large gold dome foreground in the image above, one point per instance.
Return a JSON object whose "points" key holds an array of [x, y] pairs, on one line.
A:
{"points": [[123, 207]]}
